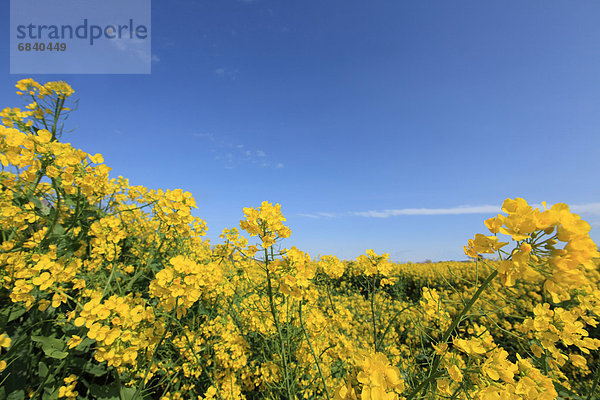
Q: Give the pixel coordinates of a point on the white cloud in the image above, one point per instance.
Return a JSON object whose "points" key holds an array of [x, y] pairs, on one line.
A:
{"points": [[227, 73], [328, 215], [138, 47], [589, 209], [155, 58], [309, 215], [234, 154], [592, 209], [460, 210], [318, 215], [589, 213]]}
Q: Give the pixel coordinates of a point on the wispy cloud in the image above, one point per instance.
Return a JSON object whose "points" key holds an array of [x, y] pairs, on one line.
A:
{"points": [[590, 209], [137, 47], [236, 154], [319, 215], [227, 73], [589, 212], [586, 209], [485, 209]]}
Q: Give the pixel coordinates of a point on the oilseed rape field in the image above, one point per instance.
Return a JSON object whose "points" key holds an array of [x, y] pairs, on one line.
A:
{"points": [[111, 291]]}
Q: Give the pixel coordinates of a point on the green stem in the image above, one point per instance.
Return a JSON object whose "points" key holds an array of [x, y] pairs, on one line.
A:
{"points": [[57, 109], [40, 175], [277, 325], [327, 279], [199, 360], [457, 320], [373, 316], [162, 338], [313, 351], [56, 212], [76, 213], [595, 384], [389, 325], [110, 277], [51, 372]]}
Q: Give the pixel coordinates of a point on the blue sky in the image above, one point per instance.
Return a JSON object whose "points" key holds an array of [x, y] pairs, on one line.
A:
{"points": [[393, 125]]}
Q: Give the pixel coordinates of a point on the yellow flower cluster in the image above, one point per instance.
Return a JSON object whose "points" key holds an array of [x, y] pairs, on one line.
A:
{"points": [[266, 222], [433, 310], [183, 282], [300, 272], [538, 234], [373, 264], [379, 379], [4, 343], [67, 391], [123, 327], [332, 266], [33, 88], [532, 384], [557, 329]]}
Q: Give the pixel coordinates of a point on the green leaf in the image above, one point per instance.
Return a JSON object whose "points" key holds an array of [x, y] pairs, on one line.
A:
{"points": [[58, 230], [16, 395], [85, 344], [70, 201], [96, 369], [52, 347], [50, 394], [43, 369], [127, 393], [49, 341], [104, 392], [88, 366], [57, 354], [14, 314]]}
